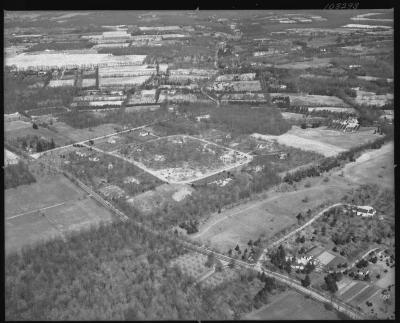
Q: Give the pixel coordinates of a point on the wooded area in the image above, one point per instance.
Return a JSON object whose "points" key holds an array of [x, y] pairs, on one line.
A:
{"points": [[114, 272], [15, 175]]}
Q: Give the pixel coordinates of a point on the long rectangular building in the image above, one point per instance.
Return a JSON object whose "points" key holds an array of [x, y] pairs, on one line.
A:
{"points": [[47, 60]]}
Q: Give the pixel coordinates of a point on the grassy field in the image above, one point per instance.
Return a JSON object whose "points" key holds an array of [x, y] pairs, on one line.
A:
{"points": [[16, 125], [265, 217], [322, 140], [290, 305], [65, 207], [373, 167], [75, 135], [155, 199]]}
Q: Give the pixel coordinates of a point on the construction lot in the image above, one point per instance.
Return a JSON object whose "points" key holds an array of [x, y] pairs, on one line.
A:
{"points": [[51, 207]]}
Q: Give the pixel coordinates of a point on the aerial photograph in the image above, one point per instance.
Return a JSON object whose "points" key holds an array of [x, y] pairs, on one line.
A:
{"points": [[199, 165]]}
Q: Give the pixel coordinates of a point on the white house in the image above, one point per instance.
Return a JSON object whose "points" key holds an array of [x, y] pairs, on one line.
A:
{"points": [[365, 211]]}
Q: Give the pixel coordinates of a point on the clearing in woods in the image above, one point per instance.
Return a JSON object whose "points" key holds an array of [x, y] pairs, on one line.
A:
{"points": [[49, 208]]}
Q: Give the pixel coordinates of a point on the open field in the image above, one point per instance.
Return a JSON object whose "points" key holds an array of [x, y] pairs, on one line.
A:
{"points": [[314, 63], [65, 208], [291, 305], [76, 135], [59, 139], [155, 199], [322, 140], [16, 125], [374, 166], [264, 217]]}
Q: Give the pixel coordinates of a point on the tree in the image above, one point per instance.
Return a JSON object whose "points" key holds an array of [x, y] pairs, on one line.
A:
{"points": [[210, 260], [299, 217], [306, 281], [330, 282]]}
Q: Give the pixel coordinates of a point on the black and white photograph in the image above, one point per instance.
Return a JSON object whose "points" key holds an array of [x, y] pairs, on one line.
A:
{"points": [[230, 164]]}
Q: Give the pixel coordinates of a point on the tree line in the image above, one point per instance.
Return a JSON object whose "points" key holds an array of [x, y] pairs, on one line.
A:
{"points": [[328, 163], [18, 174]]}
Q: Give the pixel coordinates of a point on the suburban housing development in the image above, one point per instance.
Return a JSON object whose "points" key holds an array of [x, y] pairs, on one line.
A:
{"points": [[199, 165]]}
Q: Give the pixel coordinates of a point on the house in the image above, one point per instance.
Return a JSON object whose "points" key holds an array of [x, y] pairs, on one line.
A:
{"points": [[110, 166], [10, 158], [202, 117], [283, 156], [111, 140], [365, 211], [80, 154]]}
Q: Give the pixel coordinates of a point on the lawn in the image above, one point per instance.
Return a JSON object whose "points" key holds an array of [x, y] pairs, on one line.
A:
{"points": [[155, 199], [67, 209], [291, 305]]}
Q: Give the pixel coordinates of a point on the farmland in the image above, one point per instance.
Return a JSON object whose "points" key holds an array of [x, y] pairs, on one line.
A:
{"points": [[49, 208]]}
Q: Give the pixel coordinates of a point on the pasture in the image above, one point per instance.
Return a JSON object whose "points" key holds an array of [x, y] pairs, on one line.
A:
{"points": [[291, 305], [49, 208]]}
